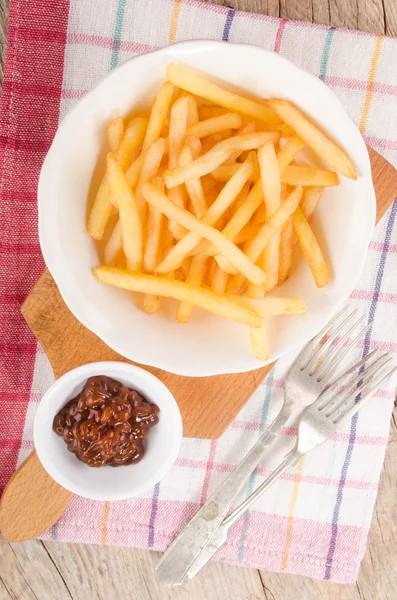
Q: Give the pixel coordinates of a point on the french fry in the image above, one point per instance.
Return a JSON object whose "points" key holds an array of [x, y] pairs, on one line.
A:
{"points": [[275, 223], [192, 111], [270, 307], [114, 245], [131, 140], [219, 281], [193, 83], [114, 133], [259, 343], [150, 166], [131, 227], [308, 176], [286, 252], [224, 264], [251, 271], [216, 156], [161, 286], [194, 277], [310, 248], [226, 171], [193, 186], [155, 225], [311, 196], [247, 234], [249, 127], [241, 216], [101, 211], [178, 123], [229, 120], [260, 215], [271, 187], [133, 171], [291, 148], [326, 149], [216, 210], [158, 115], [209, 111]]}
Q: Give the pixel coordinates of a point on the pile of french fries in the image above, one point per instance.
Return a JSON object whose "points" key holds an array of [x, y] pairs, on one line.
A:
{"points": [[203, 202]]}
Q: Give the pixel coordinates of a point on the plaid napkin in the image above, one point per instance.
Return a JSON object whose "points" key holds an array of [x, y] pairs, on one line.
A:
{"points": [[315, 520]]}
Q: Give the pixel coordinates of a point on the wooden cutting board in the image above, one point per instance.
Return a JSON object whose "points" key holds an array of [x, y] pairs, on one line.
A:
{"points": [[208, 404]]}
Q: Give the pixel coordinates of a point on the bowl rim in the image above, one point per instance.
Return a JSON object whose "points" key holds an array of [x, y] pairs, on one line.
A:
{"points": [[311, 330], [53, 398]]}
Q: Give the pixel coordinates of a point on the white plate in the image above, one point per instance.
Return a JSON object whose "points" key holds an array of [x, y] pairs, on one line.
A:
{"points": [[108, 483], [207, 345]]}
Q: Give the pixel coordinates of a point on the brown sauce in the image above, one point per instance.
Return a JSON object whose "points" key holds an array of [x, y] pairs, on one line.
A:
{"points": [[106, 423]]}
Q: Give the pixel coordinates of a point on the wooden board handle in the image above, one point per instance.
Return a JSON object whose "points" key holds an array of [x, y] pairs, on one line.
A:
{"points": [[31, 502]]}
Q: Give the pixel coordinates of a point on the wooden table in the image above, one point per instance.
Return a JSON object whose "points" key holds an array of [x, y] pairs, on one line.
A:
{"points": [[55, 571]]}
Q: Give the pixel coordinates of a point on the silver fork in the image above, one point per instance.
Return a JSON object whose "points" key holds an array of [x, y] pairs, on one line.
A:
{"points": [[318, 423], [301, 389]]}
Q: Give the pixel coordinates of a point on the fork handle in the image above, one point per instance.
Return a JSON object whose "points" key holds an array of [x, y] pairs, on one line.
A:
{"points": [[290, 460], [183, 551]]}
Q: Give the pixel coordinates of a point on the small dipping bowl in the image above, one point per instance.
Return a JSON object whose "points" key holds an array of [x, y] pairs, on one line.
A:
{"points": [[109, 483]]}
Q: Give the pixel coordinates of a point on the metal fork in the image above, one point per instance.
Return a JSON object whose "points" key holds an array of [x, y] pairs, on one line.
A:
{"points": [[301, 389], [318, 423]]}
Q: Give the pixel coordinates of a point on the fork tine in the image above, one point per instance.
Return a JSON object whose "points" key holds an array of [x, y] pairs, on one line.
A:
{"points": [[359, 383], [329, 393], [306, 353], [334, 358], [313, 362], [347, 414]]}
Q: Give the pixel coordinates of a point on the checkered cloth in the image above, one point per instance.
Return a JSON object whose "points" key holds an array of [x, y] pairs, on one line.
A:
{"points": [[315, 520]]}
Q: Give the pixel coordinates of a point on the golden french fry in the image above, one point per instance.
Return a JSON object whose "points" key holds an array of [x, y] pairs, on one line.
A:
{"points": [[133, 171], [150, 166], [242, 215], [101, 211], [275, 223], [131, 226], [114, 133], [219, 281], [260, 215], [311, 196], [193, 186], [226, 171], [326, 149], [310, 248], [249, 127], [291, 148], [224, 264], [193, 83], [216, 210], [194, 277], [131, 141], [247, 234], [216, 156], [209, 111], [114, 245], [158, 115], [259, 343], [192, 111], [252, 272], [267, 307], [286, 252], [154, 229], [271, 187], [308, 176], [161, 286], [215, 125], [178, 123]]}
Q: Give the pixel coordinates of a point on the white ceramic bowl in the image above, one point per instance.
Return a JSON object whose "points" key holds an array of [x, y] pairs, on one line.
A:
{"points": [[207, 345], [108, 483]]}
